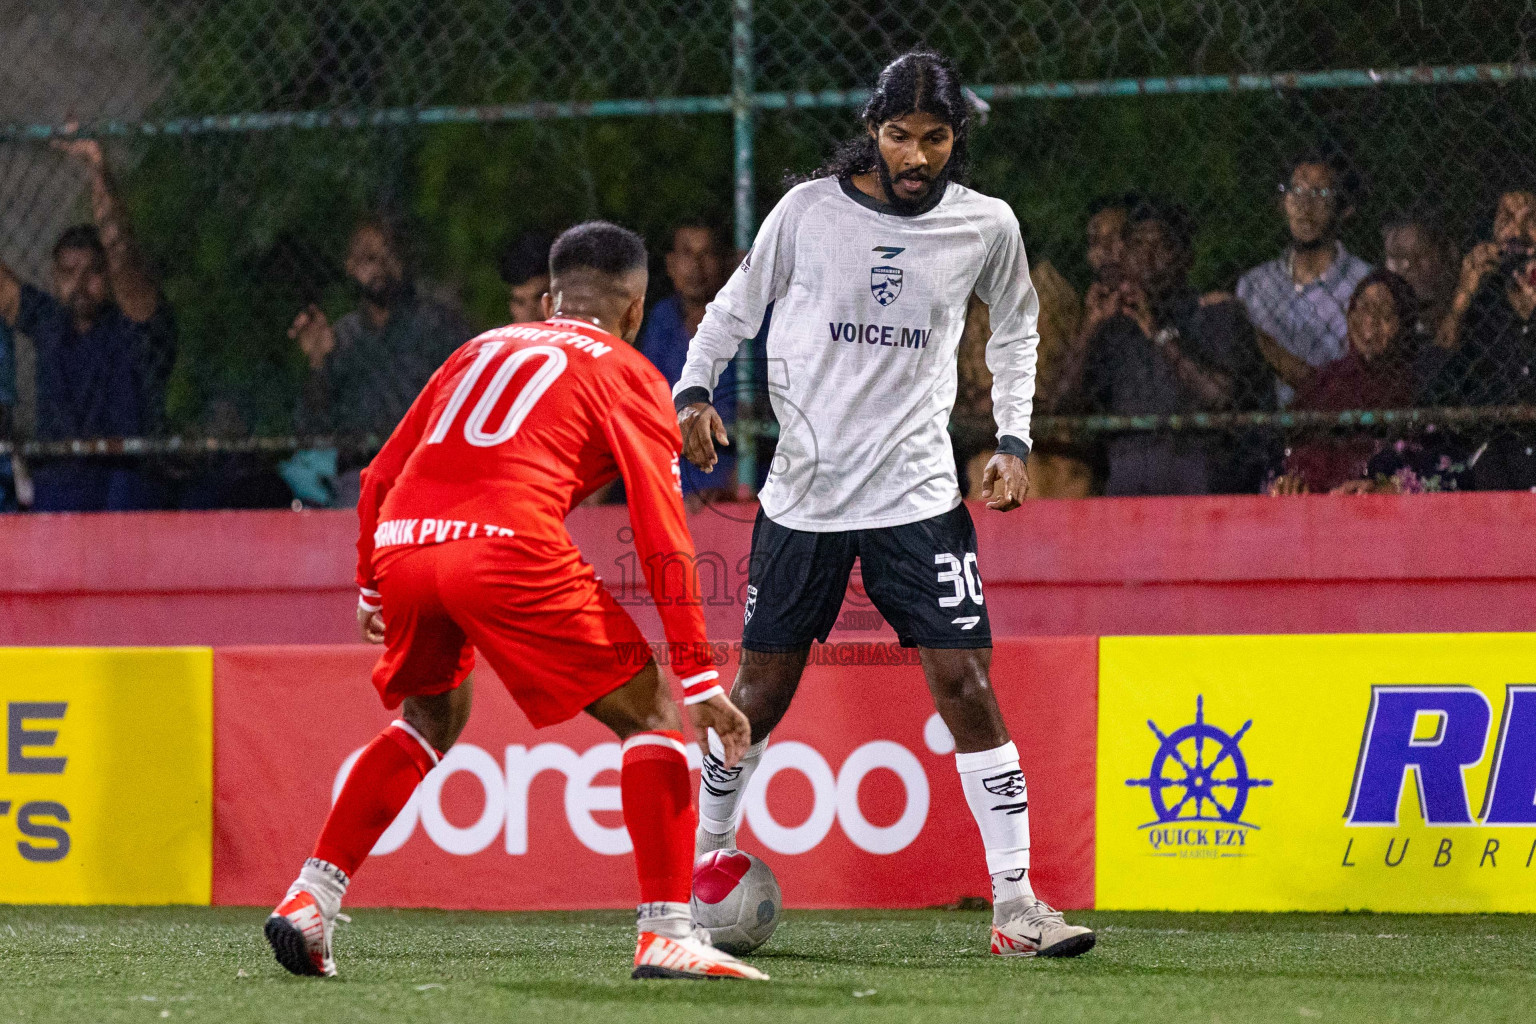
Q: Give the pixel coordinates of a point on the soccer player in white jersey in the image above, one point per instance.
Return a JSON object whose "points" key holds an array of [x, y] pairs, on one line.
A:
{"points": [[870, 265]]}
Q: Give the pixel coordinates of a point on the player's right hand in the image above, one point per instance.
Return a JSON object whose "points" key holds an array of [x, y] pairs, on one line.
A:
{"points": [[1005, 482], [371, 624], [1101, 303], [87, 151], [1479, 263], [313, 331], [719, 714], [702, 429]]}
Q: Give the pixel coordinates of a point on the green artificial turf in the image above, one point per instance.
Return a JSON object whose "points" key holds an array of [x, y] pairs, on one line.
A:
{"points": [[82, 965]]}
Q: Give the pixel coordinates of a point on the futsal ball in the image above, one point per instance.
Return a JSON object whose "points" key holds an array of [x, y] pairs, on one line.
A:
{"points": [[737, 898]]}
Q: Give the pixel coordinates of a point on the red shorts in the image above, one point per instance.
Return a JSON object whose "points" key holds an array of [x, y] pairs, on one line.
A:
{"points": [[558, 641]]}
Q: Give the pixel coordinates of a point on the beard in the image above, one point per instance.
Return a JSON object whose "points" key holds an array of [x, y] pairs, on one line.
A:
{"points": [[381, 293], [888, 183]]}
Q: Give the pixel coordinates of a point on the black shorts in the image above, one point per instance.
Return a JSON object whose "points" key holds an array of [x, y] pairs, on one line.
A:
{"points": [[922, 577]]}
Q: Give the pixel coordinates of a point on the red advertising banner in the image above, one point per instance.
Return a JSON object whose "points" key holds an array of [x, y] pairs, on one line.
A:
{"points": [[856, 804], [1222, 564]]}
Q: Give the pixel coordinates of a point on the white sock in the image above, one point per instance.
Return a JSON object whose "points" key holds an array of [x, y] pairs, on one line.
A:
{"points": [[326, 882], [999, 801], [721, 788], [1010, 886], [673, 920]]}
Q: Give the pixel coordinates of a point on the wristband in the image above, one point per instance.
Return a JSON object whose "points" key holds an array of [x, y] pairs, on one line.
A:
{"points": [[690, 396], [1009, 444]]}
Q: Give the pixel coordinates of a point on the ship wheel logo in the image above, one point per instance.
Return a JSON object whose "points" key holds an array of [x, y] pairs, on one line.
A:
{"points": [[1199, 773]]}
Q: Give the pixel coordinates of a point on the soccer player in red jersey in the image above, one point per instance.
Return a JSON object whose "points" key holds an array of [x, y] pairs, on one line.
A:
{"points": [[464, 546]]}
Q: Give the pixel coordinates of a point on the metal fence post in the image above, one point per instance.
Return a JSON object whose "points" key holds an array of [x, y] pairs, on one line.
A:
{"points": [[745, 203]]}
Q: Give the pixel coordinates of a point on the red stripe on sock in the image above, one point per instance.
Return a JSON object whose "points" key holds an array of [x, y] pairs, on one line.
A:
{"points": [[387, 772], [658, 811]]}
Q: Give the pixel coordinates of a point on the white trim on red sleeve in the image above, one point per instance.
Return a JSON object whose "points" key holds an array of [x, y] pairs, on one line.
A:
{"points": [[701, 677]]}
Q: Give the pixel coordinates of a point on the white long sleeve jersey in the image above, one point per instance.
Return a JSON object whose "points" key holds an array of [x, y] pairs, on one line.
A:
{"points": [[869, 306]]}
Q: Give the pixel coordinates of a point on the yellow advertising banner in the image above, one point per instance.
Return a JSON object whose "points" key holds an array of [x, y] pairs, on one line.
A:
{"points": [[1388, 773], [107, 792]]}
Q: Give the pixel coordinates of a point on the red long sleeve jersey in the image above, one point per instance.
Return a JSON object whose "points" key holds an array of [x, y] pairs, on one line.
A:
{"points": [[510, 434]]}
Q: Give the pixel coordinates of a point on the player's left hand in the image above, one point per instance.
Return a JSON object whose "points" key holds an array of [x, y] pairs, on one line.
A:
{"points": [[371, 624], [719, 714], [1135, 304], [1005, 482], [702, 429]]}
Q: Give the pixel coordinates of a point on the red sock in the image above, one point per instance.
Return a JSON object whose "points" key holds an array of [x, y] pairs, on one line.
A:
{"points": [[658, 811], [387, 772]]}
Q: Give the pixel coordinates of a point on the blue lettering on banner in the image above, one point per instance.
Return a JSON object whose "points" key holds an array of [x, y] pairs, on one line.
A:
{"points": [[28, 825], [1199, 784], [1512, 787], [22, 743], [1389, 749], [20, 737]]}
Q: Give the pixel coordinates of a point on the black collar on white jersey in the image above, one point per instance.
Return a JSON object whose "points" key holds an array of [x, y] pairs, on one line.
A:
{"points": [[853, 192]]}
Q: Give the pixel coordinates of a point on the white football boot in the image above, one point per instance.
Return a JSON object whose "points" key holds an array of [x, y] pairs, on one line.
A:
{"points": [[1034, 929], [299, 932], [659, 956]]}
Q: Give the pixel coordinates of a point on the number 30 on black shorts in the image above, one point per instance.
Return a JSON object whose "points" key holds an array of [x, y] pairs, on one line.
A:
{"points": [[922, 577]]}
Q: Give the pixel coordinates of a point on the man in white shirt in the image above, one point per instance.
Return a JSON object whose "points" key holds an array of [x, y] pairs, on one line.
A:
{"points": [[870, 266], [1297, 301]]}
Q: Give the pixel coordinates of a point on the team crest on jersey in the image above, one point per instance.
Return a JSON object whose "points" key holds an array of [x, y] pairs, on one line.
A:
{"points": [[885, 284], [751, 604]]}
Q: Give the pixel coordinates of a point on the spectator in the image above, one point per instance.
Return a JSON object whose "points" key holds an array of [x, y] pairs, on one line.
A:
{"points": [[105, 345], [1161, 351], [1376, 373], [367, 369], [696, 266], [1056, 469], [1489, 335], [1418, 250], [524, 269], [1492, 288], [1297, 302], [1107, 222]]}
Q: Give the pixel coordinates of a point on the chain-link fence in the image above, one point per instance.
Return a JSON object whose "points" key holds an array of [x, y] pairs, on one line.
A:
{"points": [[1205, 342]]}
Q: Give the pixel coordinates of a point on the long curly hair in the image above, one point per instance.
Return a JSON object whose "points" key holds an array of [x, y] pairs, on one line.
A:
{"points": [[919, 81]]}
